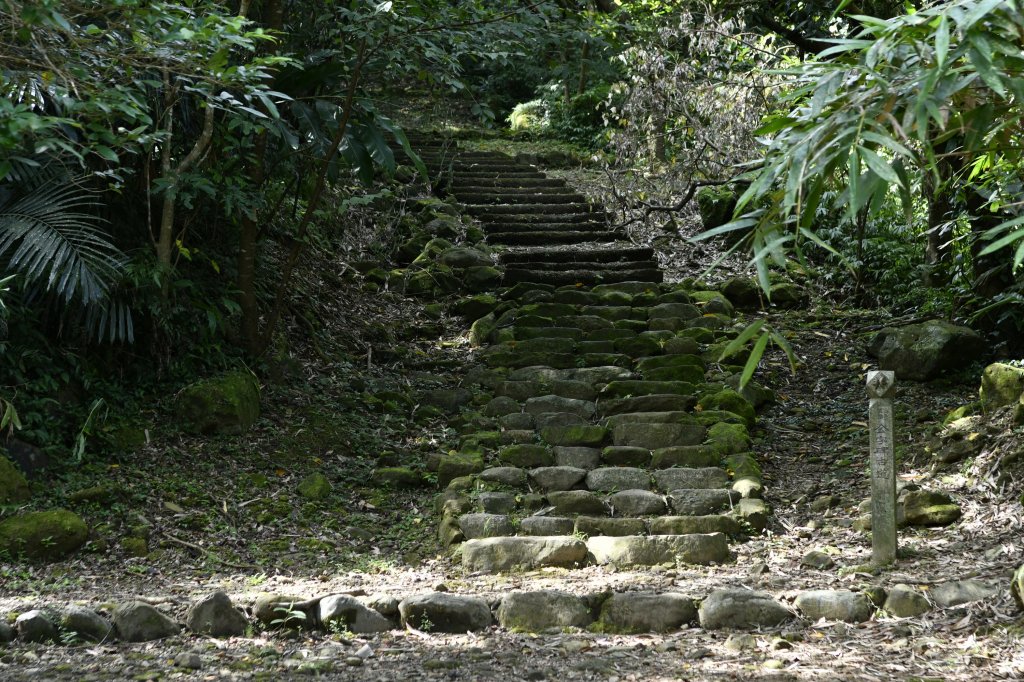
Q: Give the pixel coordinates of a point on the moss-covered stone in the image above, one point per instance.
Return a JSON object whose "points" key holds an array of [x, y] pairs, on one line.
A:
{"points": [[480, 332], [526, 456], [482, 277], [135, 546], [451, 467], [929, 508], [728, 439], [45, 535], [716, 206], [315, 487], [477, 306], [1001, 384], [578, 435], [743, 465], [729, 401], [397, 477], [13, 486], [228, 404]]}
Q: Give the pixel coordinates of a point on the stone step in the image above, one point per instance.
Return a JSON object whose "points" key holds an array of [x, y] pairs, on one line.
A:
{"points": [[598, 254], [654, 550], [491, 166], [585, 277], [502, 199], [491, 227], [578, 211], [519, 238], [532, 192], [594, 265], [479, 174], [506, 182]]}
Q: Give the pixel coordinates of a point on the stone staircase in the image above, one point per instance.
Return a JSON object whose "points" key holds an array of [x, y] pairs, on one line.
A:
{"points": [[608, 434]]}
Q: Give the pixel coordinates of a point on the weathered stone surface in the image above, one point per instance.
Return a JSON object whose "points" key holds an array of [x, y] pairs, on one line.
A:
{"points": [[728, 439], [637, 503], [45, 535], [557, 478], [659, 549], [139, 622], [86, 624], [609, 479], [546, 525], [553, 403], [587, 435], [7, 633], [475, 526], [700, 502], [13, 486], [961, 592], [625, 456], [703, 477], [351, 613], [612, 527], [522, 553], [904, 601], [228, 404], [516, 421], [741, 609], [688, 525], [609, 407], [278, 609], [653, 436], [543, 609], [581, 458], [632, 388], [637, 612], [315, 487], [753, 512], [729, 400], [685, 456], [527, 456], [448, 400], [36, 626], [216, 616], [501, 406], [648, 418], [922, 351], [684, 311], [1001, 384], [451, 467], [572, 502], [397, 477], [463, 257], [514, 477], [444, 612], [842, 605], [497, 502], [817, 559], [929, 508]]}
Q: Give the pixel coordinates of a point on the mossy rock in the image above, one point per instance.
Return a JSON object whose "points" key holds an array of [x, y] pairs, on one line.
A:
{"points": [[13, 485], [1001, 384], [729, 401], [432, 250], [229, 404], [716, 206], [134, 546], [728, 439], [743, 465], [46, 535], [968, 410], [125, 437], [452, 467], [397, 477], [481, 331], [482, 277], [315, 487], [475, 307]]}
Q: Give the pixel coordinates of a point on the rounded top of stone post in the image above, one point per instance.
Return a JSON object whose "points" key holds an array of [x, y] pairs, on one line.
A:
{"points": [[881, 384]]}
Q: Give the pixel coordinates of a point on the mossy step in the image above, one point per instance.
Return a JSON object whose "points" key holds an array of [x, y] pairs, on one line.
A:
{"points": [[476, 174], [537, 226], [571, 208], [501, 198], [603, 254], [655, 402], [558, 266], [584, 277], [546, 238], [513, 183], [489, 166], [530, 192]]}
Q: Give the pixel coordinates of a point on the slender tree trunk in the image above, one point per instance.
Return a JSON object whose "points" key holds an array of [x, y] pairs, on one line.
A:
{"points": [[581, 87]]}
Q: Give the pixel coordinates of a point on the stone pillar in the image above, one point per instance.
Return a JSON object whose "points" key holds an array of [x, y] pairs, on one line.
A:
{"points": [[881, 386]]}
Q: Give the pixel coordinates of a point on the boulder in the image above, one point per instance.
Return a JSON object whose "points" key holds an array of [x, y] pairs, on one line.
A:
{"points": [[463, 257], [543, 609], [13, 486], [227, 404], [86, 624], [637, 612], [929, 508], [36, 625], [842, 605], [925, 350], [741, 609], [1001, 384], [493, 555], [216, 616], [444, 612], [282, 610], [45, 535], [139, 622], [352, 614]]}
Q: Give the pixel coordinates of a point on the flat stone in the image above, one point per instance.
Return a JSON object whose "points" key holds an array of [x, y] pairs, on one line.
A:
{"points": [[817, 559], [517, 421], [599, 375], [741, 609], [841, 605], [526, 455], [688, 525], [653, 436], [494, 555], [501, 406], [904, 601], [651, 418], [514, 477], [653, 550], [685, 456], [543, 609], [521, 390], [583, 435], [639, 612], [633, 388], [139, 622], [216, 616], [703, 477], [444, 612], [86, 624], [548, 419], [625, 456], [657, 402], [352, 614], [497, 502], [700, 501], [573, 502], [684, 311], [581, 458], [960, 592], [475, 526], [553, 403], [36, 626], [929, 508], [637, 503], [577, 390], [546, 525], [612, 527], [608, 479], [557, 478]]}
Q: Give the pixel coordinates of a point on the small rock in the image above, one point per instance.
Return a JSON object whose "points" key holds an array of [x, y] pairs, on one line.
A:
{"points": [[139, 622], [741, 608], [741, 642], [188, 659], [86, 624], [7, 633], [215, 616], [904, 601], [315, 487], [824, 503], [36, 626], [817, 559], [353, 661], [961, 592], [352, 614], [441, 612], [929, 508], [841, 605]]}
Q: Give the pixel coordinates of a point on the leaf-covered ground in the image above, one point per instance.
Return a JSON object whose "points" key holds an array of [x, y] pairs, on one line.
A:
{"points": [[225, 514]]}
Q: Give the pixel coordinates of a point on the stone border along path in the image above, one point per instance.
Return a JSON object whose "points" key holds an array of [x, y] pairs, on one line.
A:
{"points": [[619, 441]]}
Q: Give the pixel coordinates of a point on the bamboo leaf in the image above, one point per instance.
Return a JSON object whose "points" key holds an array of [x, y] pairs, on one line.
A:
{"points": [[740, 341], [753, 361]]}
